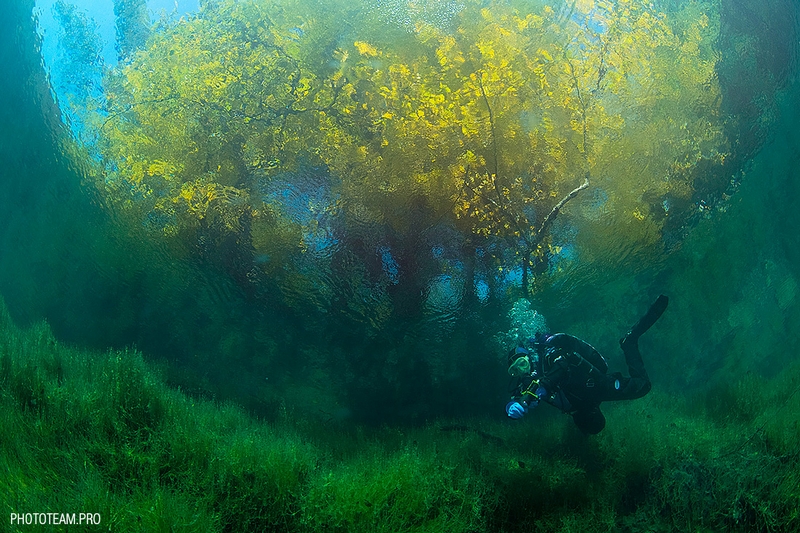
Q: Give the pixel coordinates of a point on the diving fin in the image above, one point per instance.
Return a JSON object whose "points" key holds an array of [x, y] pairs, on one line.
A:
{"points": [[647, 321]]}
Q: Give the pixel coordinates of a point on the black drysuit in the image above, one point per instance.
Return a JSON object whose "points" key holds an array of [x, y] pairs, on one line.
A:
{"points": [[574, 374]]}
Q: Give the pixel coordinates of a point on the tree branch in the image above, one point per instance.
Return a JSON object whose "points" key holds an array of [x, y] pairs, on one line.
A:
{"points": [[554, 212], [491, 126], [494, 175], [583, 105]]}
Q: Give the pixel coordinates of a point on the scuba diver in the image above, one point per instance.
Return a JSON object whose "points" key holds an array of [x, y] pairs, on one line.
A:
{"points": [[571, 375]]}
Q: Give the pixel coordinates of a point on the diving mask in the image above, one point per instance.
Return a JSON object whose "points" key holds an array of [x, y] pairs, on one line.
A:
{"points": [[520, 367]]}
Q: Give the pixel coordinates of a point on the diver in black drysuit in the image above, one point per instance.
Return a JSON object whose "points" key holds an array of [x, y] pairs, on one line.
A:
{"points": [[571, 375]]}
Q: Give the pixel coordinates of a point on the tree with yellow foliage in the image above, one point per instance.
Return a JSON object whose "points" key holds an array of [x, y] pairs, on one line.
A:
{"points": [[492, 116]]}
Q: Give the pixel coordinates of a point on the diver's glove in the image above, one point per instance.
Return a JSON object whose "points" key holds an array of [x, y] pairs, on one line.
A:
{"points": [[515, 410]]}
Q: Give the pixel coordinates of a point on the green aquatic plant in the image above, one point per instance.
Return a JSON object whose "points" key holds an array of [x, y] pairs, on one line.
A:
{"points": [[143, 456], [102, 432], [409, 490]]}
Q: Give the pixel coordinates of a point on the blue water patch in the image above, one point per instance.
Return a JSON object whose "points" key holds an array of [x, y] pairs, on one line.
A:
{"points": [[564, 250], [76, 74], [599, 198], [321, 243], [296, 33], [444, 294], [482, 290], [595, 21], [512, 276], [303, 196], [102, 12], [529, 211], [390, 266]]}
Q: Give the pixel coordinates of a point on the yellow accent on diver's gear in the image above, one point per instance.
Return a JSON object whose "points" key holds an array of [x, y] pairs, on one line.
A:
{"points": [[528, 392], [520, 367]]}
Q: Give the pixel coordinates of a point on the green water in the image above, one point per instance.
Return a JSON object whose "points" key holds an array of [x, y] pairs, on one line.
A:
{"points": [[276, 245]]}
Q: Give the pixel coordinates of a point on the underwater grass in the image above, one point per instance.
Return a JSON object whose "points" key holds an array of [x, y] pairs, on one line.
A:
{"points": [[410, 490], [89, 432], [103, 433]]}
